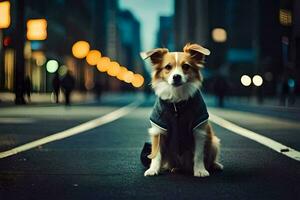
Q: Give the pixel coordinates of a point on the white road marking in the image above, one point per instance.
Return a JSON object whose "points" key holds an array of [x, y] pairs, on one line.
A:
{"points": [[10, 120], [272, 144], [73, 131]]}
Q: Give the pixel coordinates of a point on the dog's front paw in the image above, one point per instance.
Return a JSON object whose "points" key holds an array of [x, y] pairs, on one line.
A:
{"points": [[151, 172], [201, 173]]}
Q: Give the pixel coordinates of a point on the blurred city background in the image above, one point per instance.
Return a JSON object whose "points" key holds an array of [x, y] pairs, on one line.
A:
{"points": [[254, 46]]}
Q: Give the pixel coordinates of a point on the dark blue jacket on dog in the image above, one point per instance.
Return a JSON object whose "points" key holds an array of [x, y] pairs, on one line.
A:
{"points": [[179, 120]]}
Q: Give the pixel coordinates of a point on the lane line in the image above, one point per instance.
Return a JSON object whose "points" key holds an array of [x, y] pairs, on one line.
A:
{"points": [[272, 144], [74, 130]]}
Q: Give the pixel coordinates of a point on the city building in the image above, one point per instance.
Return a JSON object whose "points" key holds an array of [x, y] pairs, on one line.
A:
{"points": [[165, 33], [100, 23], [243, 39], [130, 43], [289, 17], [65, 25]]}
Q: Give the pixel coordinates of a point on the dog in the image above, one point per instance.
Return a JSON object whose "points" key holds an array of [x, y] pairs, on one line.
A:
{"points": [[181, 136]]}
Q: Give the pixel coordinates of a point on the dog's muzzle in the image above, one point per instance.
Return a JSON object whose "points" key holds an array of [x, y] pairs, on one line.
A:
{"points": [[177, 80]]}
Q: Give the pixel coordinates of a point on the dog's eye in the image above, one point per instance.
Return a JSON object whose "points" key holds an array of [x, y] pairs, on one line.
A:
{"points": [[168, 67], [185, 67]]}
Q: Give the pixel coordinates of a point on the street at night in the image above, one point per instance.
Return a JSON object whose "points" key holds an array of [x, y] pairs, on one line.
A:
{"points": [[103, 163]]}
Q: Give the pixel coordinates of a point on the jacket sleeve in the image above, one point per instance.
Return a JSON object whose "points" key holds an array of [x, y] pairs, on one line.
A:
{"points": [[200, 111]]}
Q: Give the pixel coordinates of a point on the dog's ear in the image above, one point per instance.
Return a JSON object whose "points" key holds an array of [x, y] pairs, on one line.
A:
{"points": [[197, 53], [156, 55]]}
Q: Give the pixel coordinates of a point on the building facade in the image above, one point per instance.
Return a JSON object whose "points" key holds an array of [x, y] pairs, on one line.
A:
{"points": [[255, 39], [97, 22], [130, 43], [165, 33]]}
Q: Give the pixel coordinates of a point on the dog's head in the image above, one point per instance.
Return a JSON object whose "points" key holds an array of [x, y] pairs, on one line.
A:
{"points": [[177, 70]]}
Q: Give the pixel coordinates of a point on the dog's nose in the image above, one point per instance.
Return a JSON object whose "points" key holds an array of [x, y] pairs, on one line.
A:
{"points": [[177, 79]]}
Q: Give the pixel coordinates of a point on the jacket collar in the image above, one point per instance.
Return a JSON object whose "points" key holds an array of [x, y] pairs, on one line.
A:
{"points": [[178, 106]]}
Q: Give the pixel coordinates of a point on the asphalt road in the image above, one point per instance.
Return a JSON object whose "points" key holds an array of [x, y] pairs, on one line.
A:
{"points": [[103, 163]]}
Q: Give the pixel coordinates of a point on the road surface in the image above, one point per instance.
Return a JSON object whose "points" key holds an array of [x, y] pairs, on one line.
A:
{"points": [[103, 162]]}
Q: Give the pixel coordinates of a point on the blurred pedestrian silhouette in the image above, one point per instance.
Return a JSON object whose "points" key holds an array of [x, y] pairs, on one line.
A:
{"points": [[56, 87], [68, 84], [287, 92], [98, 90], [284, 92], [27, 88], [220, 88]]}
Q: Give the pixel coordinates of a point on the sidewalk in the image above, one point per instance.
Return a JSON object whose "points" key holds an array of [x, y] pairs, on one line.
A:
{"points": [[112, 98], [270, 102], [8, 98]]}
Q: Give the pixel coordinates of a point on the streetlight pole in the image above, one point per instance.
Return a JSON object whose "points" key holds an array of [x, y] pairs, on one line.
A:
{"points": [[19, 45]]}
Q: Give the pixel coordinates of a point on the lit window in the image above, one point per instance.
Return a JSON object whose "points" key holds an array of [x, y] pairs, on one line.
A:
{"points": [[285, 17]]}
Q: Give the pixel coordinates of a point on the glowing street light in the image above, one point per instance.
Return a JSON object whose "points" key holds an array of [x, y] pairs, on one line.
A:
{"points": [[103, 64], [113, 69], [257, 80], [246, 80], [52, 66], [219, 35], [80, 49], [128, 77], [93, 57], [4, 14], [122, 73], [138, 80], [37, 29]]}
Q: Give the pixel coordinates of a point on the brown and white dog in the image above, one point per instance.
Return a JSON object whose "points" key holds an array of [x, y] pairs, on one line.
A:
{"points": [[176, 78]]}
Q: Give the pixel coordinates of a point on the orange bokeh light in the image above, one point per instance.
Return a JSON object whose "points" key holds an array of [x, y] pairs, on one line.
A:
{"points": [[128, 77], [37, 29], [80, 49], [219, 35], [93, 57], [122, 73], [113, 69], [138, 80], [5, 18], [103, 64]]}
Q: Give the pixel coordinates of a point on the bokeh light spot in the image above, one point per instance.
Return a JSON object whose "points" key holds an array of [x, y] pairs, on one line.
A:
{"points": [[37, 29], [257, 80], [62, 70], [137, 80], [52, 66], [80, 49], [122, 73], [103, 64], [245, 80], [128, 77], [219, 35], [93, 57], [5, 18], [113, 69]]}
